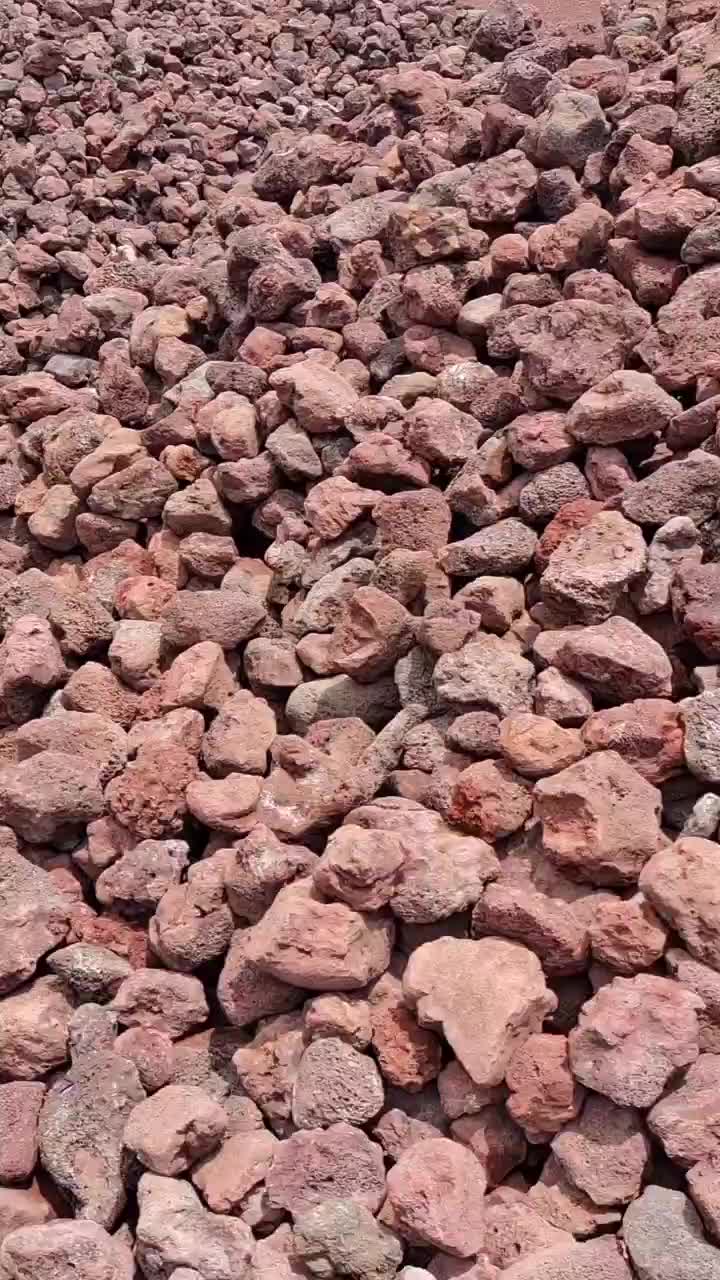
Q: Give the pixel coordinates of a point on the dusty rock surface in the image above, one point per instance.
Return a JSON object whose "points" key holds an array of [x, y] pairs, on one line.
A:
{"points": [[359, 640]]}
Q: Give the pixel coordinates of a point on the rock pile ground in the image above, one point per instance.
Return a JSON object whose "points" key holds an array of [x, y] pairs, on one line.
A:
{"points": [[360, 659]]}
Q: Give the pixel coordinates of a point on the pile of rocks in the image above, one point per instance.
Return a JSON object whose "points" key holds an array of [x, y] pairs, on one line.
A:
{"points": [[360, 670]]}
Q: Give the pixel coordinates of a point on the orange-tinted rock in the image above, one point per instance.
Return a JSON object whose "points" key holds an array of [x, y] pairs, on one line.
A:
{"points": [[536, 746], [409, 1055], [599, 819], [490, 800], [648, 733], [544, 1095]]}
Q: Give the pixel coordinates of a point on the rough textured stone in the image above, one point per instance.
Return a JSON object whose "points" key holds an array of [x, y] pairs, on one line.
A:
{"points": [[343, 1235], [632, 1037], [455, 985], [316, 1165], [435, 1197], [680, 883], [604, 1152], [599, 819], [663, 1236], [81, 1248]]}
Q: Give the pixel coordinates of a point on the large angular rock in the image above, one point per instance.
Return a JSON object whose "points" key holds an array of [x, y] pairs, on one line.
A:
{"points": [[175, 1230], [684, 488], [486, 996], [616, 660], [664, 1238], [687, 1120], [567, 132], [633, 1036], [577, 343], [604, 1152], [435, 1197], [626, 406], [587, 575], [97, 738], [504, 548], [322, 946], [682, 884], [600, 820], [50, 796]]}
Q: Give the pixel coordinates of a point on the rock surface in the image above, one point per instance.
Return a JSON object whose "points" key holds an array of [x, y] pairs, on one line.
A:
{"points": [[359, 640]]}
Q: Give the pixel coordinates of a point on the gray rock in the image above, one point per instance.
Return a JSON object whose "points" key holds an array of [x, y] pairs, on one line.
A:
{"points": [[175, 1230], [81, 1133], [664, 1238], [688, 487], [696, 135], [342, 1238], [703, 817], [701, 716], [567, 132], [341, 696], [676, 543], [505, 548], [486, 673], [93, 972]]}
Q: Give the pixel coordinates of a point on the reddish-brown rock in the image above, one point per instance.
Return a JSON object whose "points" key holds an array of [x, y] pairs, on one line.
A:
{"points": [[544, 1095], [599, 819], [435, 1197], [633, 1036]]}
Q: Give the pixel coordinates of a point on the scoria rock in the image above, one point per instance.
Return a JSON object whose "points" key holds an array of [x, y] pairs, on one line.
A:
{"points": [[452, 983]]}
